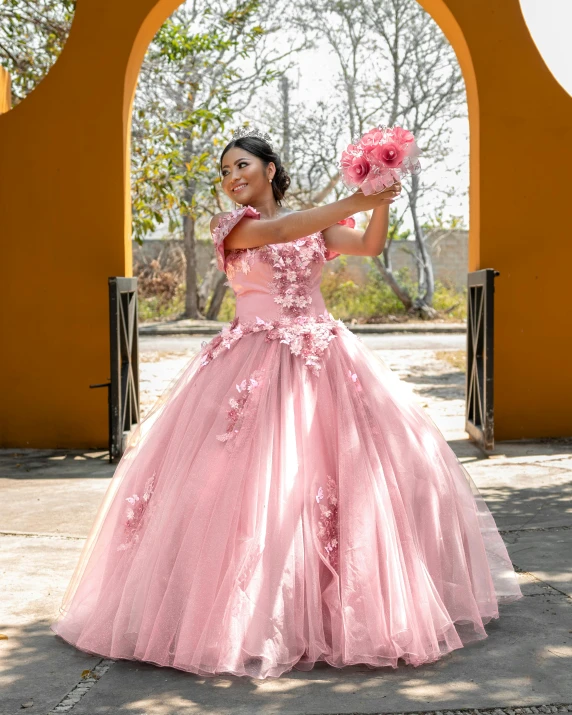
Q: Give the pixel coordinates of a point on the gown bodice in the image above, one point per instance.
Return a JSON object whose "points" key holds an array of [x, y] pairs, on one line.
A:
{"points": [[277, 282]]}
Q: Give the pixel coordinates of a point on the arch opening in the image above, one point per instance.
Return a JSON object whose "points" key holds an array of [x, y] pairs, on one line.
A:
{"points": [[310, 130]]}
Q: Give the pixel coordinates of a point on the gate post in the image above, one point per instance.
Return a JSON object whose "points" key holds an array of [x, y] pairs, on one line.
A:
{"points": [[124, 355], [479, 388]]}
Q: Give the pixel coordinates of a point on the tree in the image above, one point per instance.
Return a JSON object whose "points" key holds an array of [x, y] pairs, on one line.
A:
{"points": [[312, 139], [428, 93], [32, 35], [395, 67], [204, 65]]}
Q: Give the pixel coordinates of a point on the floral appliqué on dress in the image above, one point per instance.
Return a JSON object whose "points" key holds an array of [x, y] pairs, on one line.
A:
{"points": [[239, 261], [292, 266], [328, 523], [134, 514], [243, 255], [306, 336], [237, 405]]}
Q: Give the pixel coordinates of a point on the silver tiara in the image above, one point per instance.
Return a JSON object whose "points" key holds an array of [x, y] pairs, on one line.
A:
{"points": [[246, 132]]}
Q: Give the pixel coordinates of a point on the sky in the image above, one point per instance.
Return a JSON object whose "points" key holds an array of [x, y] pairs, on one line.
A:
{"points": [[550, 24]]}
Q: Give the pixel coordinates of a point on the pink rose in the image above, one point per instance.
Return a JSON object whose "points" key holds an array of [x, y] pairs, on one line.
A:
{"points": [[371, 139], [357, 171], [389, 154], [402, 136], [347, 159]]}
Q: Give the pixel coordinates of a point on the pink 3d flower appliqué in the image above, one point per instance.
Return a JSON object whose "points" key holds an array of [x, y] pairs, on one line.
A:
{"points": [[328, 522], [225, 224], [134, 514], [307, 337], [238, 404], [292, 272], [239, 261]]}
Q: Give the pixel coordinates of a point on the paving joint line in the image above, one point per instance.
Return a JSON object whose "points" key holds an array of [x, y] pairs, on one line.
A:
{"points": [[74, 537], [514, 710], [548, 464], [544, 583], [73, 696], [518, 529], [40, 535]]}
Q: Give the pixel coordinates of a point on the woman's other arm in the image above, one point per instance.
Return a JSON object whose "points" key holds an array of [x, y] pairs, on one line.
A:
{"points": [[352, 242]]}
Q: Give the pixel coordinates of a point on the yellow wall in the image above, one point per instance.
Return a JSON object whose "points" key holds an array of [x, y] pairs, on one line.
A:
{"points": [[64, 218], [64, 223]]}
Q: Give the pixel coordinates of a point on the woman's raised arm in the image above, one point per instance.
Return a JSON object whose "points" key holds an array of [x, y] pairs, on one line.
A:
{"points": [[250, 233]]}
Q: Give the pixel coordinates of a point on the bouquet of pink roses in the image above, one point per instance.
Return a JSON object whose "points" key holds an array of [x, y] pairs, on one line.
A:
{"points": [[379, 158]]}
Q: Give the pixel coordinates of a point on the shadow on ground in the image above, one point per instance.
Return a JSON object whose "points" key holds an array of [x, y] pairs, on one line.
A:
{"points": [[526, 660], [54, 463]]}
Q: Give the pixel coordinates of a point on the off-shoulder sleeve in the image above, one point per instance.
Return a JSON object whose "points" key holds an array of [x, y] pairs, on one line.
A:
{"points": [[225, 225], [350, 221]]}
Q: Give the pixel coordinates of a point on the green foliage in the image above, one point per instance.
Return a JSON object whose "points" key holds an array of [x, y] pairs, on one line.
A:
{"points": [[450, 302], [394, 232], [155, 308], [370, 300], [32, 35], [159, 173], [174, 44], [227, 309], [439, 220], [347, 297]]}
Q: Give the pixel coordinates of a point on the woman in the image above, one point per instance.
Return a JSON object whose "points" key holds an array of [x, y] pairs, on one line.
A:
{"points": [[286, 501]]}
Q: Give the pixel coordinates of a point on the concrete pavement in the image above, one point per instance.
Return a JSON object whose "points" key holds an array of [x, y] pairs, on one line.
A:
{"points": [[49, 498]]}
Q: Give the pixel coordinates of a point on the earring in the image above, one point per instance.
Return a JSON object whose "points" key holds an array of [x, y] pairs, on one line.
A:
{"points": [[269, 181]]}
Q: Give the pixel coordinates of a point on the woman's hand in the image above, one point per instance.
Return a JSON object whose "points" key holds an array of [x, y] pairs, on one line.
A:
{"points": [[387, 196]]}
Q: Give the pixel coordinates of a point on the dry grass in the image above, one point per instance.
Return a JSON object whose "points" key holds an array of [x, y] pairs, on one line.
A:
{"points": [[455, 358]]}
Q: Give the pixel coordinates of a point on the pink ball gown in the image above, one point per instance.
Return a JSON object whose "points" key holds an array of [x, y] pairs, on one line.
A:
{"points": [[286, 501]]}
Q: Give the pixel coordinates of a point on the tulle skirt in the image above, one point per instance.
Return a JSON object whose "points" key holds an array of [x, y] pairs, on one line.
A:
{"points": [[265, 517]]}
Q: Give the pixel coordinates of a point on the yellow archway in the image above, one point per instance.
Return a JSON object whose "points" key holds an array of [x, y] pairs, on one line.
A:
{"points": [[65, 217]]}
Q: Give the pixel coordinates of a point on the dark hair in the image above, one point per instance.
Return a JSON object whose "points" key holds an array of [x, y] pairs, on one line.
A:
{"points": [[263, 150]]}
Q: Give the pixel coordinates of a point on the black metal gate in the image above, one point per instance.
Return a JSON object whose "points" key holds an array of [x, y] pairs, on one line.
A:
{"points": [[123, 386], [479, 403]]}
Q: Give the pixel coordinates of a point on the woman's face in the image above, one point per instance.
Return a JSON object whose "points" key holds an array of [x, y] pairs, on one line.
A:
{"points": [[245, 178]]}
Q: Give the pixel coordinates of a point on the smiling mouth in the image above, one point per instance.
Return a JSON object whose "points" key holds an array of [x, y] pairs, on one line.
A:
{"points": [[238, 188]]}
